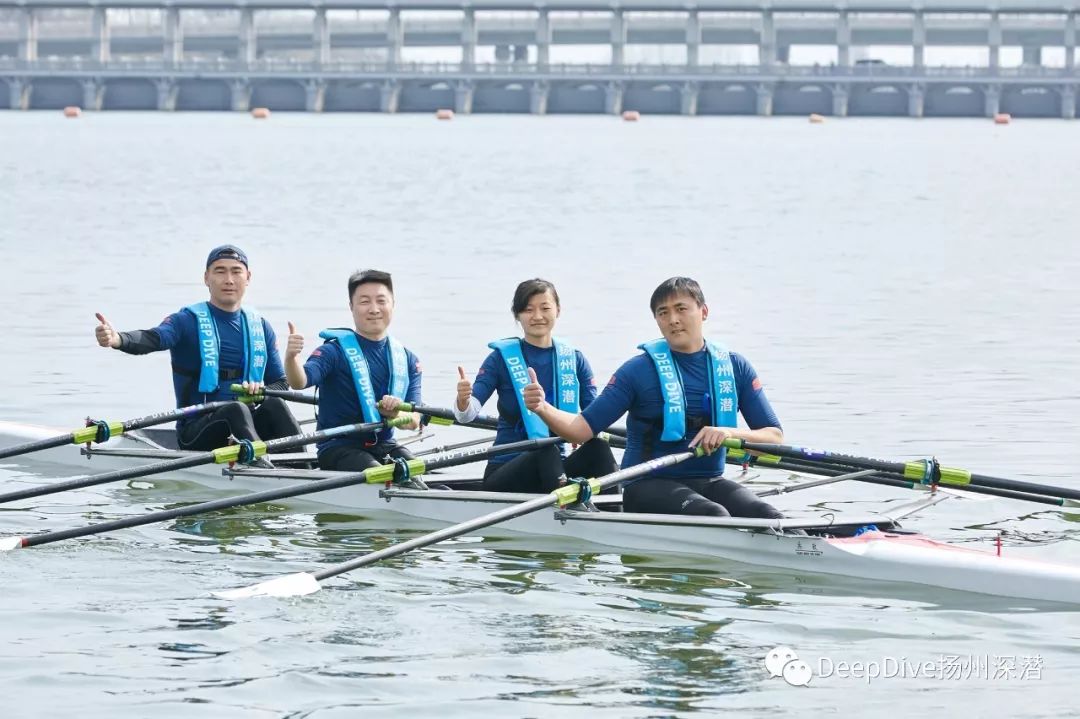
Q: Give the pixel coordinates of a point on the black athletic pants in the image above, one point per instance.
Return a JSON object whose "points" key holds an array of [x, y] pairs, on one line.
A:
{"points": [[539, 471], [347, 458], [716, 497], [271, 419]]}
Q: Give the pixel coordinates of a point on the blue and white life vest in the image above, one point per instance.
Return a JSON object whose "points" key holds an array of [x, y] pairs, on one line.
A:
{"points": [[254, 340], [725, 399], [358, 367], [566, 386]]}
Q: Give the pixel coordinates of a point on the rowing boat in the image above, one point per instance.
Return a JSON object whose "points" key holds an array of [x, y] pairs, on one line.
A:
{"points": [[869, 546]]}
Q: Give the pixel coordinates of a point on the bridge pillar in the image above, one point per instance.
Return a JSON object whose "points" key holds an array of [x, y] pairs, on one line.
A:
{"points": [[839, 101], [918, 40], [173, 47], [100, 42], [843, 40], [1068, 102], [538, 98], [468, 38], [995, 41], [314, 95], [543, 38], [767, 40], [389, 96], [689, 96], [28, 35], [167, 92], [248, 43], [395, 38], [618, 37], [19, 93], [916, 101], [93, 91], [463, 97], [320, 37], [613, 98], [993, 100], [764, 100], [693, 38], [241, 95], [1032, 55], [1070, 41]]}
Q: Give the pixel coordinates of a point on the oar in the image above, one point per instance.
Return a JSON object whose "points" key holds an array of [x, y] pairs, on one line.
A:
{"points": [[814, 483], [885, 479], [102, 431], [306, 583], [285, 394], [487, 421], [922, 471], [482, 421], [375, 475], [222, 455], [452, 447]]}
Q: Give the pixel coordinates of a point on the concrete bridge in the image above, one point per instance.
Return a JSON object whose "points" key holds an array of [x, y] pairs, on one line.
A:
{"points": [[351, 55], [650, 89]]}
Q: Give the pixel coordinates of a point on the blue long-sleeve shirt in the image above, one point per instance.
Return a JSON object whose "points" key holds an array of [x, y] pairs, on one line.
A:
{"points": [[635, 388], [494, 378], [328, 369], [178, 333]]}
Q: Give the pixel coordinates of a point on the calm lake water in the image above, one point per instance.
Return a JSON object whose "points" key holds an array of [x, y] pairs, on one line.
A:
{"points": [[904, 289]]}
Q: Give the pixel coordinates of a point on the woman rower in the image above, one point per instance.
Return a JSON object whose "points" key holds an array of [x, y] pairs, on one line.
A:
{"points": [[564, 373]]}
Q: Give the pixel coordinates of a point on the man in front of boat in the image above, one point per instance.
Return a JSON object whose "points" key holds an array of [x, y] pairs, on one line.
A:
{"points": [[213, 345], [682, 391], [351, 369]]}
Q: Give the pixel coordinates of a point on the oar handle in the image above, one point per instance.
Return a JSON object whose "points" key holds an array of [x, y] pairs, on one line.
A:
{"points": [[285, 394], [483, 421]]}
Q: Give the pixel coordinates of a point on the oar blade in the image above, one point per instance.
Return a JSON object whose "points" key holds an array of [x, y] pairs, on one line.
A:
{"points": [[289, 585], [8, 544]]}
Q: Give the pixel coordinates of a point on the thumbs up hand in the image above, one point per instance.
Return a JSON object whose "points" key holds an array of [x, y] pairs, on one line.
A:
{"points": [[104, 332], [295, 343], [533, 393], [464, 390]]}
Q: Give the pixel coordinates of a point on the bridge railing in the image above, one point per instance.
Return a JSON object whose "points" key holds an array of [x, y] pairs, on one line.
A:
{"points": [[278, 66]]}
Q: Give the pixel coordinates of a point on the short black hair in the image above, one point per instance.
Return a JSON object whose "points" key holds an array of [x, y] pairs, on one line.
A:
{"points": [[529, 289], [676, 286], [363, 277]]}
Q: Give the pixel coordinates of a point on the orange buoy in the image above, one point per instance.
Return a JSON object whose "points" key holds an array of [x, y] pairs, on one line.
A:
{"points": [[817, 119], [72, 111], [444, 114], [1002, 118], [631, 116], [260, 113]]}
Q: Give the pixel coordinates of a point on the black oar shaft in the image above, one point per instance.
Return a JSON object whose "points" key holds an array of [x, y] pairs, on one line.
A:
{"points": [[37, 445], [106, 477], [502, 515], [89, 434], [958, 478], [892, 479], [375, 474]]}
